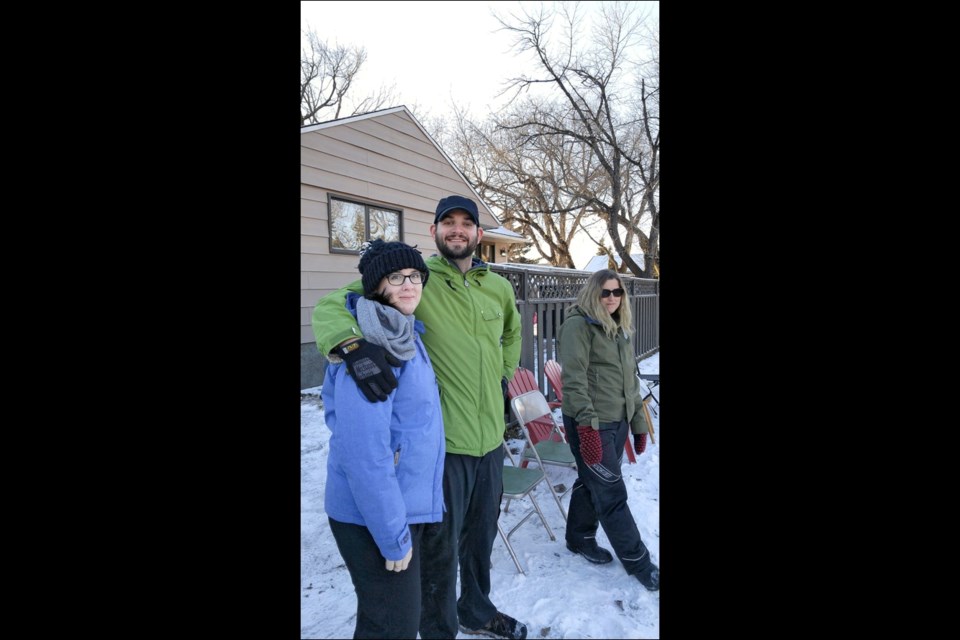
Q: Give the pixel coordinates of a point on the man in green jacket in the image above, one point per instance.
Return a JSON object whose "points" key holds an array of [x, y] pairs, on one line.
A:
{"points": [[473, 339]]}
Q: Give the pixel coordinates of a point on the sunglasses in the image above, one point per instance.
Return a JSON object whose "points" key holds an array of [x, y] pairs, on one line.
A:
{"points": [[606, 293]]}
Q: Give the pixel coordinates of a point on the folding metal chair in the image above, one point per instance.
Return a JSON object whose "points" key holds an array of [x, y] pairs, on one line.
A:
{"points": [[648, 400], [519, 483], [650, 392], [523, 381], [650, 389], [532, 407]]}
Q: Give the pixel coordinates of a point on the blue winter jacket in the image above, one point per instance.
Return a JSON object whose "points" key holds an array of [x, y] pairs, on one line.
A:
{"points": [[385, 464]]}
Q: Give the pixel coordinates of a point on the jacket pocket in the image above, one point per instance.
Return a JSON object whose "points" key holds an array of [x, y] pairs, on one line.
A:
{"points": [[398, 450], [491, 314]]}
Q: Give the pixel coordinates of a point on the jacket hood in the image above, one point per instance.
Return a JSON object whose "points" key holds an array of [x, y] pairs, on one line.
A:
{"points": [[575, 310], [438, 262]]}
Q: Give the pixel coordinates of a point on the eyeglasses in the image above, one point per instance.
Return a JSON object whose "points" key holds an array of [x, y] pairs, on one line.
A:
{"points": [[396, 279], [606, 293]]}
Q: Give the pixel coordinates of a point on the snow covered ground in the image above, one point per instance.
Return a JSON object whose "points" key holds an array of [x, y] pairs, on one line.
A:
{"points": [[561, 596]]}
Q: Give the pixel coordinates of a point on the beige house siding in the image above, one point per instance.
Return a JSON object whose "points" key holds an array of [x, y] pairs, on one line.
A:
{"points": [[383, 158]]}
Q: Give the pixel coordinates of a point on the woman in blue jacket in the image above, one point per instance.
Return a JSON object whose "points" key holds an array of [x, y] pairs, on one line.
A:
{"points": [[385, 465]]}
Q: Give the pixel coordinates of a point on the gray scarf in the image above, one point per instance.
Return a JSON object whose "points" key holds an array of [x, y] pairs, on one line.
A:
{"points": [[385, 326]]}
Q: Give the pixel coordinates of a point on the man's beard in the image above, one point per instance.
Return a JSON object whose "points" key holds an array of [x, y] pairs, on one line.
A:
{"points": [[451, 254]]}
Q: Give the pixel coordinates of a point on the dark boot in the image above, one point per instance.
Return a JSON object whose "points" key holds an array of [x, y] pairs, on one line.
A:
{"points": [[650, 577], [502, 626], [590, 550]]}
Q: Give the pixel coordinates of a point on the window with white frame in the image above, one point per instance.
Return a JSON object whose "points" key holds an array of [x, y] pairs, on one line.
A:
{"points": [[353, 223]]}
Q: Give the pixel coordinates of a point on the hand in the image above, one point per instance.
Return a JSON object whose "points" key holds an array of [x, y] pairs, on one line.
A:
{"points": [[503, 387], [590, 448], [400, 565], [369, 364], [639, 442]]}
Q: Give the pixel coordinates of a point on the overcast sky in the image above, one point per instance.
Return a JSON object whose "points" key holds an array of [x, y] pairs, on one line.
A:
{"points": [[434, 52]]}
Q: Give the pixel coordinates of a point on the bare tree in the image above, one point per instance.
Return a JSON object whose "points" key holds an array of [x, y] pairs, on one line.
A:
{"points": [[605, 111], [327, 74], [533, 183]]}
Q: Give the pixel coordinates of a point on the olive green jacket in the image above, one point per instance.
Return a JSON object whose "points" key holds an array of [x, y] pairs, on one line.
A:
{"points": [[473, 339], [600, 381]]}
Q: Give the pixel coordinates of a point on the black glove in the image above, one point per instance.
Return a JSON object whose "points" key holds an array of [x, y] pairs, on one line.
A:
{"points": [[369, 364], [506, 398]]}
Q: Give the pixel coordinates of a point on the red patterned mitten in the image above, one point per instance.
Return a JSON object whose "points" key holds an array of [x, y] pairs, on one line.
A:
{"points": [[590, 448], [639, 442]]}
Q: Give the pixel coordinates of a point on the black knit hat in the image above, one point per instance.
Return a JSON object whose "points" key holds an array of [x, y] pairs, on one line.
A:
{"points": [[383, 258]]}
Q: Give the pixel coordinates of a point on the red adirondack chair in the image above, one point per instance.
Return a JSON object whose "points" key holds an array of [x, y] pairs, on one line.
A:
{"points": [[553, 371]]}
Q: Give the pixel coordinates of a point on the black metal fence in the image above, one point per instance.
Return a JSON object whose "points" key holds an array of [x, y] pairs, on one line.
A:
{"points": [[543, 295]]}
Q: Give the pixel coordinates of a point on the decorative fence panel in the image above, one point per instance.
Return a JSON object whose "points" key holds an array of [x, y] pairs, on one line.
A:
{"points": [[543, 295]]}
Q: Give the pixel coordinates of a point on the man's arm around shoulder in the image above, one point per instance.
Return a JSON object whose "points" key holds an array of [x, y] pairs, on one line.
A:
{"points": [[333, 325]]}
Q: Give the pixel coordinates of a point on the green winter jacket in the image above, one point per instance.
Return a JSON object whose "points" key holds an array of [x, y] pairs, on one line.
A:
{"points": [[600, 381], [473, 339]]}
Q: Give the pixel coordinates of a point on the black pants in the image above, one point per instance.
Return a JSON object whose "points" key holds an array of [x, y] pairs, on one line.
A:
{"points": [[599, 496], [472, 488], [388, 602]]}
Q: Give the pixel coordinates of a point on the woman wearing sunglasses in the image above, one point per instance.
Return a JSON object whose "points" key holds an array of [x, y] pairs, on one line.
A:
{"points": [[601, 404], [385, 467]]}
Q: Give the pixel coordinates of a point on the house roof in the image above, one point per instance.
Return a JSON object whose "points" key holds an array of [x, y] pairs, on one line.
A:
{"points": [[503, 234], [382, 112], [600, 262]]}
